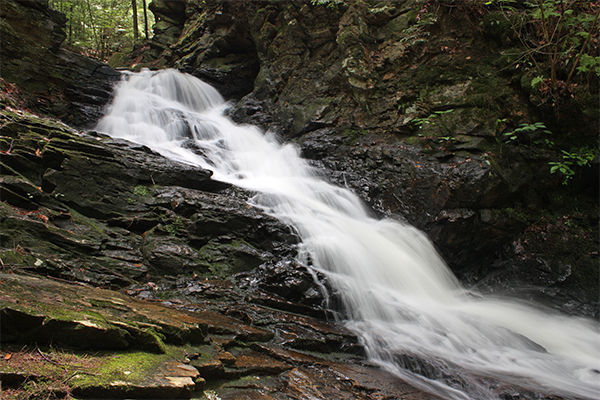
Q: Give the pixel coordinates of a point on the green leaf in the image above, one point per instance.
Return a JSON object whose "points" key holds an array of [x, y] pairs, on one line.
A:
{"points": [[536, 81]]}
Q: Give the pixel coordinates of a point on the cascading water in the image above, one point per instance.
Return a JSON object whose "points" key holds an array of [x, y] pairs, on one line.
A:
{"points": [[413, 316]]}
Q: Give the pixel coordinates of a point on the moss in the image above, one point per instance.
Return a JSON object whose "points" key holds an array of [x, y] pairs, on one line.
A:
{"points": [[355, 134], [115, 60], [224, 259], [12, 258], [174, 225], [141, 190], [519, 213], [132, 367]]}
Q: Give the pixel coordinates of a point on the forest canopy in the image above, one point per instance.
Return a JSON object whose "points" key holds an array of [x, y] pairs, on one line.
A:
{"points": [[99, 28]]}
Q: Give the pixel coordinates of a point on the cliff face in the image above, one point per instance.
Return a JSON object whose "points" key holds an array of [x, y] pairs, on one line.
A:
{"points": [[408, 103], [56, 81], [408, 106]]}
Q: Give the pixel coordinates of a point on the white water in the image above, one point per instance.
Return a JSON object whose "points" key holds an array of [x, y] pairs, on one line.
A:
{"points": [[403, 300]]}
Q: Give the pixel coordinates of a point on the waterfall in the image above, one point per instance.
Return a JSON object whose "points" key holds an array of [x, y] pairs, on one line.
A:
{"points": [[411, 313]]}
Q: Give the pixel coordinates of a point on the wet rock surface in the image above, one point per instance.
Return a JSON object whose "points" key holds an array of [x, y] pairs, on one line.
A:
{"points": [[411, 120], [188, 346], [58, 82], [109, 212], [413, 117], [210, 300], [412, 114]]}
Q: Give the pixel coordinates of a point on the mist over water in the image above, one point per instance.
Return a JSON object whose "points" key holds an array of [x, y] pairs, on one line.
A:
{"points": [[412, 314]]}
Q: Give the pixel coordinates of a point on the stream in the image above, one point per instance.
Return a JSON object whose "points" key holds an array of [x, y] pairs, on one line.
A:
{"points": [[411, 313]]}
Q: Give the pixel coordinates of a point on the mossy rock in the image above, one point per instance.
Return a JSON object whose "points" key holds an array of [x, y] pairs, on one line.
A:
{"points": [[82, 317], [225, 258]]}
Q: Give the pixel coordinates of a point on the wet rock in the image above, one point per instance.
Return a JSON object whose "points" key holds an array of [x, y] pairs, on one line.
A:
{"points": [[411, 117], [58, 82], [108, 212], [290, 286], [248, 362], [222, 325], [245, 353], [168, 387], [55, 313]]}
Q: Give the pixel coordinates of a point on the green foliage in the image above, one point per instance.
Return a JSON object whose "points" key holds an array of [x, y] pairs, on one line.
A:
{"points": [[537, 81], [581, 157], [526, 128], [416, 32], [588, 63], [558, 37], [99, 28], [431, 119]]}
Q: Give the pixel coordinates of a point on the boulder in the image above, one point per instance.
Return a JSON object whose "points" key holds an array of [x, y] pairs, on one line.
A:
{"points": [[57, 82], [108, 212]]}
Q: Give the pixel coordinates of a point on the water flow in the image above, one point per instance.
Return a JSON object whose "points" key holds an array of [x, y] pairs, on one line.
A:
{"points": [[411, 313]]}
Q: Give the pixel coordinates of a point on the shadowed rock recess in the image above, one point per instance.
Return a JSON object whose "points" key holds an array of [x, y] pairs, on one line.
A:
{"points": [[127, 275]]}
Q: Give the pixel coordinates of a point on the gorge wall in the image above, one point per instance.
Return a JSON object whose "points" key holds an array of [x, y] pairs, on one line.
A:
{"points": [[53, 80], [409, 103]]}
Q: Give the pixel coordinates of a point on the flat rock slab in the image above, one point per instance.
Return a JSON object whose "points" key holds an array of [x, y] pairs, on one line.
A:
{"points": [[232, 359], [158, 387], [139, 375], [323, 381], [35, 309]]}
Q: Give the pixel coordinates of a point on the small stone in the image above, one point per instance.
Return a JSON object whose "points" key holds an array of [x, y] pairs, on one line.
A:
{"points": [[226, 358], [185, 382]]}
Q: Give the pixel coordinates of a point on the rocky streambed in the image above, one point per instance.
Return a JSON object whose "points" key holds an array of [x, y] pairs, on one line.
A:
{"points": [[97, 343], [128, 275]]}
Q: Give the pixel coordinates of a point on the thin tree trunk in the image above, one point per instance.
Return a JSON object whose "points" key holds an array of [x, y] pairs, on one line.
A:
{"points": [[93, 24], [135, 21], [70, 40], [145, 19]]}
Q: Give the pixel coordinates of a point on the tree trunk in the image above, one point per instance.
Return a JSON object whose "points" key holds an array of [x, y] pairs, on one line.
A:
{"points": [[93, 25], [145, 19], [135, 21], [70, 39]]}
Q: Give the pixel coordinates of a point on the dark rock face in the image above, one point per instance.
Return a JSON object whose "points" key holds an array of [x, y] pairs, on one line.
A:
{"points": [[58, 82], [109, 212], [216, 47], [170, 16], [228, 304], [411, 115]]}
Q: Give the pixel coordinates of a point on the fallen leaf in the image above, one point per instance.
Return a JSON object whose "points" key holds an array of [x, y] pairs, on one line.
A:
{"points": [[8, 356]]}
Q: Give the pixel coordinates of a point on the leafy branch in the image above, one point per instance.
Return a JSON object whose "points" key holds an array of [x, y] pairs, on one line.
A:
{"points": [[551, 32], [580, 157], [526, 128]]}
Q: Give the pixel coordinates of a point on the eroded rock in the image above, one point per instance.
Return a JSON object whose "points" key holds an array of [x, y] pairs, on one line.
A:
{"points": [[58, 82]]}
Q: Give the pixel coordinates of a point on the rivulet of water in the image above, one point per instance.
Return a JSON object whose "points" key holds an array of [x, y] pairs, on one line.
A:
{"points": [[413, 316]]}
